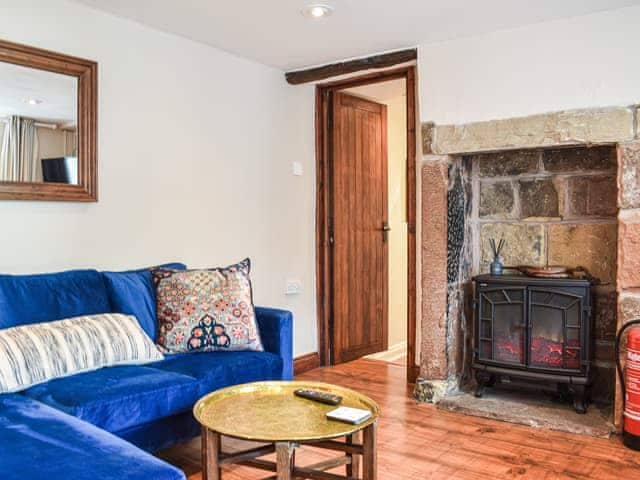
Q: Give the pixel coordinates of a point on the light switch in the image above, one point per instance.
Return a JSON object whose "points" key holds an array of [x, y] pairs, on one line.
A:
{"points": [[293, 287], [297, 169]]}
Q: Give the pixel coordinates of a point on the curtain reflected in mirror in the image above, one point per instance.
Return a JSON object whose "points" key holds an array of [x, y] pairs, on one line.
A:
{"points": [[38, 126]]}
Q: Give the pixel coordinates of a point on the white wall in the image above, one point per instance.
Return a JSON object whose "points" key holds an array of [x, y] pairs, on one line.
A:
{"points": [[195, 148], [574, 63], [291, 211], [397, 200]]}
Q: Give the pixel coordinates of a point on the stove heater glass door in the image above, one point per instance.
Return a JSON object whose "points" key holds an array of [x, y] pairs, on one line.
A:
{"points": [[555, 330], [501, 329]]}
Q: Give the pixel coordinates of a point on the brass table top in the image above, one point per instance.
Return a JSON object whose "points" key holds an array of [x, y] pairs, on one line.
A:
{"points": [[270, 412]]}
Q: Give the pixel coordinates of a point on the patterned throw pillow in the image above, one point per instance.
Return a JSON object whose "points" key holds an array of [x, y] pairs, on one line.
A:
{"points": [[206, 310], [37, 353]]}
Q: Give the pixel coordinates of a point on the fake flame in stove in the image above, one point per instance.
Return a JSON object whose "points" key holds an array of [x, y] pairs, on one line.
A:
{"points": [[545, 352]]}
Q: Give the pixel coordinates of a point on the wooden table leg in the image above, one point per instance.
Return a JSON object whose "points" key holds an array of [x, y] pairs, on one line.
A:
{"points": [[369, 457], [211, 446], [353, 469], [285, 460]]}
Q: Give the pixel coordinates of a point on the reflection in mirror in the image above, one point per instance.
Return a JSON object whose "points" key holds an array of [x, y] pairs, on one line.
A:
{"points": [[38, 126]]}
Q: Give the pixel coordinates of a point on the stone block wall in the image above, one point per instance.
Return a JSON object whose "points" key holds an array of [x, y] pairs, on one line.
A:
{"points": [[554, 207]]}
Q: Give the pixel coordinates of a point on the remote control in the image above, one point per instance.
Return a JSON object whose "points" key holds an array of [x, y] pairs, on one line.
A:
{"points": [[317, 396]]}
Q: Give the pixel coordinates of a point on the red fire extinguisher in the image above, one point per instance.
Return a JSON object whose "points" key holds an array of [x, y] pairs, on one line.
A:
{"points": [[630, 385]]}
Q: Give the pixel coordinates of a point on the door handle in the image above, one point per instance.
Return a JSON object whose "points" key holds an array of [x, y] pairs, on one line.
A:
{"points": [[385, 231]]}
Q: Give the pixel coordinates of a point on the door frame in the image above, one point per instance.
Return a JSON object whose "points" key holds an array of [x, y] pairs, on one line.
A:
{"points": [[324, 282]]}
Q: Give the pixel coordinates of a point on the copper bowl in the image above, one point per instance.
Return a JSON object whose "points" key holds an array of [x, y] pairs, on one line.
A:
{"points": [[551, 271]]}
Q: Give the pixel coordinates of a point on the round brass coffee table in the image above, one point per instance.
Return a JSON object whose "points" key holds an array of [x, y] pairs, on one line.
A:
{"points": [[269, 412]]}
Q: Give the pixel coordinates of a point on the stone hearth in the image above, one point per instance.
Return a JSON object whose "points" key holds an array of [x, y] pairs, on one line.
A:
{"points": [[534, 410], [561, 188]]}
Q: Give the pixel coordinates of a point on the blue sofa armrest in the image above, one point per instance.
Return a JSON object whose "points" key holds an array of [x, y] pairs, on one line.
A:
{"points": [[276, 333]]}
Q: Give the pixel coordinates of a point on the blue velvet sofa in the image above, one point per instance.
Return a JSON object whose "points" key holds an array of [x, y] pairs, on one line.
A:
{"points": [[103, 424]]}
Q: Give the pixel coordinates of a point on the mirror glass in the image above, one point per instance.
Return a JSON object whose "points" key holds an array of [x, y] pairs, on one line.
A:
{"points": [[38, 126]]}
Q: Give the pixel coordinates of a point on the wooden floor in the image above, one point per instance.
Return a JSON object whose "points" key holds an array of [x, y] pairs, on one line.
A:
{"points": [[418, 441]]}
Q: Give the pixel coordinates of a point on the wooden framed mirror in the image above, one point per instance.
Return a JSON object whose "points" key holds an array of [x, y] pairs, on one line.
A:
{"points": [[48, 125]]}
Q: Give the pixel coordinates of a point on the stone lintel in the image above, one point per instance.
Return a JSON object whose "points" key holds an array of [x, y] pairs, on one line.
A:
{"points": [[570, 127], [427, 137]]}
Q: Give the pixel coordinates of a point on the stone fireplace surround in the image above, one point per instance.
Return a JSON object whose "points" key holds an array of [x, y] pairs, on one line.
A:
{"points": [[452, 226], [553, 206]]}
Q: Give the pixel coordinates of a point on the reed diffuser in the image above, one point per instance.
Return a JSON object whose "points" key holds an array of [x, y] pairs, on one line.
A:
{"points": [[496, 265]]}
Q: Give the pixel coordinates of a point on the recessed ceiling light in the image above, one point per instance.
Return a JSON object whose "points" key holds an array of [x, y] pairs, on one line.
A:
{"points": [[33, 101], [317, 10]]}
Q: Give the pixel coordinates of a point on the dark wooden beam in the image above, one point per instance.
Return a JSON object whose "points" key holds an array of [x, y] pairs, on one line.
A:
{"points": [[383, 60]]}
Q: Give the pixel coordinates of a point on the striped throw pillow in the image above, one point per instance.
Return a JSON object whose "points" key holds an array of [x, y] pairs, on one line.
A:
{"points": [[36, 353]]}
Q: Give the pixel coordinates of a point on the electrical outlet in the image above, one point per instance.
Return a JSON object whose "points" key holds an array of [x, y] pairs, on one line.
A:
{"points": [[293, 287]]}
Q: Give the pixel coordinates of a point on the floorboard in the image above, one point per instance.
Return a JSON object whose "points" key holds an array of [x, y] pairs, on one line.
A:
{"points": [[418, 441]]}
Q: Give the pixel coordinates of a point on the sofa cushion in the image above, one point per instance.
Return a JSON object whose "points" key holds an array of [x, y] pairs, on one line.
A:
{"points": [[206, 310], [40, 443], [216, 370], [116, 398], [132, 292], [33, 354], [28, 299]]}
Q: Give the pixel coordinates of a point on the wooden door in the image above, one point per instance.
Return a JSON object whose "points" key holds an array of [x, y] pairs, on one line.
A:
{"points": [[357, 227]]}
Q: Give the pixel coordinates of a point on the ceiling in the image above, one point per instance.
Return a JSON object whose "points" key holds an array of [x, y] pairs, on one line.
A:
{"points": [[275, 33], [56, 92]]}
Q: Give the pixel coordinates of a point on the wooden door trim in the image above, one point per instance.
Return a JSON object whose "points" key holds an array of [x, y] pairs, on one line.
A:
{"points": [[323, 178]]}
